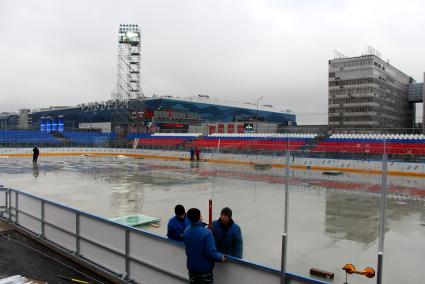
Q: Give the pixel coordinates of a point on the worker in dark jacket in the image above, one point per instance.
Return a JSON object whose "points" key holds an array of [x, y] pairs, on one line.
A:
{"points": [[197, 153], [200, 250], [35, 154], [227, 235], [177, 224], [192, 154]]}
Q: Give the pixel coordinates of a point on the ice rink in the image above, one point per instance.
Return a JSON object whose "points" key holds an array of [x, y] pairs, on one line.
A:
{"points": [[333, 219]]}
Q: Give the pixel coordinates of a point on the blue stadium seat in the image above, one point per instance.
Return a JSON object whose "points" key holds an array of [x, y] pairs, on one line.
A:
{"points": [[27, 138]]}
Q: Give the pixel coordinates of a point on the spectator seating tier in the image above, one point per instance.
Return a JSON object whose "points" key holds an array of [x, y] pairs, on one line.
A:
{"points": [[27, 137], [89, 138], [373, 144]]}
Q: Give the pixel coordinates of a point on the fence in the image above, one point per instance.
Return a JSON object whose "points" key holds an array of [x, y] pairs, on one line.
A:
{"points": [[125, 252], [399, 147]]}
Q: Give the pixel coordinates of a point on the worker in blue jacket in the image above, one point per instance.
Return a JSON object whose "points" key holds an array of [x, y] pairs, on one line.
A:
{"points": [[227, 235], [200, 250], [177, 224]]}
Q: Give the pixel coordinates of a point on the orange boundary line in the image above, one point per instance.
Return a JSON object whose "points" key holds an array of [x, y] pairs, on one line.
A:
{"points": [[299, 167]]}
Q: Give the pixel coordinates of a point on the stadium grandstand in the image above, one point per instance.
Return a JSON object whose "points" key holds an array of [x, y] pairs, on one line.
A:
{"points": [[409, 147], [29, 138], [343, 145], [272, 143], [88, 138], [225, 142], [401, 144], [18, 138]]}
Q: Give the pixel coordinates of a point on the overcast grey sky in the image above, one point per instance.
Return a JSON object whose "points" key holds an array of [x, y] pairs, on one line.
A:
{"points": [[65, 52]]}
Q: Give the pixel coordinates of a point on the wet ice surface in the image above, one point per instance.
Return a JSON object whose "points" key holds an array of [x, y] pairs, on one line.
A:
{"points": [[333, 219]]}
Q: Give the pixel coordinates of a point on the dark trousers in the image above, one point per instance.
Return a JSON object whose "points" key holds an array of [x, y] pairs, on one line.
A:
{"points": [[201, 278], [34, 158]]}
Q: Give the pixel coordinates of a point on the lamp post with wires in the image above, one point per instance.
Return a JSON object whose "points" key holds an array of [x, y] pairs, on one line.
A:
{"points": [[256, 114]]}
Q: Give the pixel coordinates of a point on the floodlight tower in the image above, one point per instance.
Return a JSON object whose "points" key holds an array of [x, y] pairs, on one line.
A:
{"points": [[128, 67], [128, 95]]}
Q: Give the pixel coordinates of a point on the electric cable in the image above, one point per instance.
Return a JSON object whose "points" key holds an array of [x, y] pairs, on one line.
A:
{"points": [[8, 238]]}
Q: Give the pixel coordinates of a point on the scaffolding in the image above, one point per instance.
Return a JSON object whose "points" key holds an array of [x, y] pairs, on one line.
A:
{"points": [[128, 91]]}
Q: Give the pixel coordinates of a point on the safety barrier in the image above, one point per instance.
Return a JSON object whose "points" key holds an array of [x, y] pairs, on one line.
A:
{"points": [[124, 252], [309, 163]]}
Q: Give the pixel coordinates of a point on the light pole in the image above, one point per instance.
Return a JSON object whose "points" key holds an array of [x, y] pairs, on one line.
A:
{"points": [[256, 114]]}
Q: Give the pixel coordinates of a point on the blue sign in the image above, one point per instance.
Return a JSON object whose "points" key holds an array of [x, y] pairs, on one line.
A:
{"points": [[43, 124], [48, 125], [54, 124], [61, 125]]}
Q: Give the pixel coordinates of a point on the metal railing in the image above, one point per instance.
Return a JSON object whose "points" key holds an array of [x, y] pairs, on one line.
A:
{"points": [[126, 253]]}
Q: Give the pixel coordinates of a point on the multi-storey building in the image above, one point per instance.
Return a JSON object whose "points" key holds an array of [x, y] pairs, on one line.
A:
{"points": [[368, 94]]}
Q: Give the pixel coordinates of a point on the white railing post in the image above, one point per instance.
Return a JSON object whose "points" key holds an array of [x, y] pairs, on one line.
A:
{"points": [[16, 208], [283, 279], [382, 216], [77, 234], [9, 205], [42, 219], [127, 253]]}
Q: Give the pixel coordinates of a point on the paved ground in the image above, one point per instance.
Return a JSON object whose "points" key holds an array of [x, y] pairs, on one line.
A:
{"points": [[23, 256]]}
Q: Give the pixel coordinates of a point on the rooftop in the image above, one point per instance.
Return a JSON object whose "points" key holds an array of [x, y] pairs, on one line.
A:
{"points": [[206, 99]]}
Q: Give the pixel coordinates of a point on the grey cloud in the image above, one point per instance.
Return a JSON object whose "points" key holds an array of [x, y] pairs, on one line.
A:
{"points": [[64, 52]]}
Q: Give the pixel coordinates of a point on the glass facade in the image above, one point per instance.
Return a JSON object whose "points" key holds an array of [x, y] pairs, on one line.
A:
{"points": [[416, 92], [71, 117], [7, 121], [213, 112]]}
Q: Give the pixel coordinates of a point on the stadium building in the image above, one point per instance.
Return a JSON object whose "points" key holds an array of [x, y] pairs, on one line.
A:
{"points": [[161, 114], [8, 120]]}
